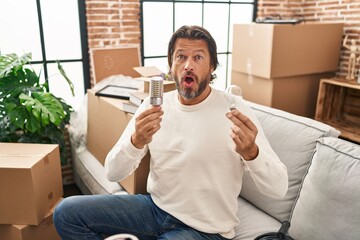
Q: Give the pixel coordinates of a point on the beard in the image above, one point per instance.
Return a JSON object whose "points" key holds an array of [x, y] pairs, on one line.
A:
{"points": [[190, 93]]}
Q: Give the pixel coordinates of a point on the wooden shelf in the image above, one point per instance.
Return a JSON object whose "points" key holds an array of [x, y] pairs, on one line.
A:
{"points": [[338, 105], [346, 131]]}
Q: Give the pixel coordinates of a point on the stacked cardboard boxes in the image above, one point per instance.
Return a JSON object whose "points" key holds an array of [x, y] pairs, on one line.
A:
{"points": [[30, 188], [280, 65], [106, 122]]}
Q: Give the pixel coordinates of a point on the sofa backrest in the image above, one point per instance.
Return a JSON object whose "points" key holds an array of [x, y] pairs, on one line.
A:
{"points": [[293, 138], [328, 206]]}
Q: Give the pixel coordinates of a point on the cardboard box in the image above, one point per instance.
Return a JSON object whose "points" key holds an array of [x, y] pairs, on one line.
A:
{"points": [[283, 50], [136, 183], [45, 230], [106, 123], [106, 62], [297, 94], [30, 182], [148, 72]]}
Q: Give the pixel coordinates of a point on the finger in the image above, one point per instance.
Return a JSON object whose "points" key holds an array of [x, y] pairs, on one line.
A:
{"points": [[242, 138], [244, 119], [145, 123], [148, 115], [239, 146], [239, 133], [153, 130], [241, 120], [242, 133], [148, 128], [235, 139], [143, 134], [149, 111], [245, 146]]}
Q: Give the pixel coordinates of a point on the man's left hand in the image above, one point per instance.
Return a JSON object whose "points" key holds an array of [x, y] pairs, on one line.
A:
{"points": [[243, 133]]}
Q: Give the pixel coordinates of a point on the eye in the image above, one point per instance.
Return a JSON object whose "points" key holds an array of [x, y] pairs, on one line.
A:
{"points": [[199, 57], [180, 56]]}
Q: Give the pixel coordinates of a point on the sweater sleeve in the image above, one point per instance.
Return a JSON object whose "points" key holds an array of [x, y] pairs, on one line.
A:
{"points": [[124, 157], [267, 171], [269, 174]]}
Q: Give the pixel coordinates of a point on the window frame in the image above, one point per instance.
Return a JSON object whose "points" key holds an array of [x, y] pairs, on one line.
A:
{"points": [[84, 46], [203, 2]]}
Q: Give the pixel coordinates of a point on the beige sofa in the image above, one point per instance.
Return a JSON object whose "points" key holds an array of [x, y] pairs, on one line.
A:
{"points": [[323, 200]]}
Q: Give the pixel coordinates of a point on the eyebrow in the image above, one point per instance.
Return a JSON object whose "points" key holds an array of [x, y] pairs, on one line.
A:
{"points": [[196, 51]]}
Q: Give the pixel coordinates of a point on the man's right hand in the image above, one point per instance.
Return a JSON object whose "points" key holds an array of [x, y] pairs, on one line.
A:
{"points": [[146, 125]]}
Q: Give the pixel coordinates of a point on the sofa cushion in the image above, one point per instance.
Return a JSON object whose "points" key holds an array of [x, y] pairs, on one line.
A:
{"points": [[253, 221], [328, 206], [293, 138]]}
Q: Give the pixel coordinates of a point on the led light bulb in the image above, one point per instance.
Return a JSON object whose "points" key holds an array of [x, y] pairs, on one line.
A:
{"points": [[156, 91]]}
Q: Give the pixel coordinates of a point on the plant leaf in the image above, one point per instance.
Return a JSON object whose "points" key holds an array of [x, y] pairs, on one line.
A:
{"points": [[12, 63], [18, 116], [44, 107], [32, 124], [62, 71], [28, 112]]}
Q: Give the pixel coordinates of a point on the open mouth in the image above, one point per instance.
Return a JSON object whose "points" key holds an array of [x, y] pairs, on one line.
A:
{"points": [[188, 81]]}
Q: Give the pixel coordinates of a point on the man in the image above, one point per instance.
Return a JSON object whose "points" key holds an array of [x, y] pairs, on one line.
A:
{"points": [[199, 150]]}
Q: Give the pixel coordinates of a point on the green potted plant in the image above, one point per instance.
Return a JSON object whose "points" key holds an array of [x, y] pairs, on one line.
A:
{"points": [[29, 113]]}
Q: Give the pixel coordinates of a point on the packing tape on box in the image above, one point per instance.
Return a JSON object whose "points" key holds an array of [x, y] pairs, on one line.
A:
{"points": [[249, 66], [250, 79], [46, 160]]}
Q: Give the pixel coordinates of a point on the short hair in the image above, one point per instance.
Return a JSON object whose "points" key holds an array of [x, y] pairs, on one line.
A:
{"points": [[194, 33]]}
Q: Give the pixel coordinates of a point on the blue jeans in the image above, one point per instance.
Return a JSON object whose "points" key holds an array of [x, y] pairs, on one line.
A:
{"points": [[97, 216]]}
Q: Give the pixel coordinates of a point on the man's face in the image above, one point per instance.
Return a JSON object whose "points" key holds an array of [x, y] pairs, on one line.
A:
{"points": [[191, 70]]}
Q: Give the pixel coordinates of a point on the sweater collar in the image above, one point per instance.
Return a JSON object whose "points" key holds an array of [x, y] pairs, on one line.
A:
{"points": [[206, 102]]}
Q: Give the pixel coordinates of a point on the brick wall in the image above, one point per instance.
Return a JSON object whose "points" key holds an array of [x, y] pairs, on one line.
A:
{"points": [[114, 22], [345, 11]]}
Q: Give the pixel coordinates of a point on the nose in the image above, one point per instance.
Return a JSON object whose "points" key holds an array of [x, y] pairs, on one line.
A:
{"points": [[189, 65]]}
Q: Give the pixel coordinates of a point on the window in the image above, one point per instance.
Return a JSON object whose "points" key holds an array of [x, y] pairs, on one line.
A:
{"points": [[161, 18], [51, 31]]}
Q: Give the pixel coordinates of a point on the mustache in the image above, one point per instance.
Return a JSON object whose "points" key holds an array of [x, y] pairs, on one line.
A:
{"points": [[188, 74]]}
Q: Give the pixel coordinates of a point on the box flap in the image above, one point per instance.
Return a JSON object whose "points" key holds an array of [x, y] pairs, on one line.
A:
{"points": [[148, 71], [107, 62], [26, 148], [23, 155]]}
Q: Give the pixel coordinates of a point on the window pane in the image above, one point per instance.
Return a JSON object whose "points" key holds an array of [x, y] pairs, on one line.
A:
{"points": [[158, 27], [39, 69], [220, 80], [217, 26], [229, 70], [61, 28], [239, 13], [160, 63], [59, 87], [216, 19], [188, 14], [20, 28]]}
